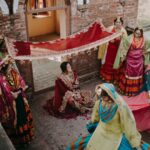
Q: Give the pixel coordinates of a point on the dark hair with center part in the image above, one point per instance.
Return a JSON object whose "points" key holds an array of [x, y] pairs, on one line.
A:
{"points": [[63, 66], [104, 94], [121, 20], [141, 30]]}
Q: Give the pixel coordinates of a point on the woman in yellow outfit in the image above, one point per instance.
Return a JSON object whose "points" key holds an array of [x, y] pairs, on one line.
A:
{"points": [[115, 129]]}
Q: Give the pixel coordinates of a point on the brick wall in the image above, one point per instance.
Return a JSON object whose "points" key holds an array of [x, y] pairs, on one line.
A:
{"points": [[14, 26], [144, 12], [44, 73], [105, 9], [85, 63]]}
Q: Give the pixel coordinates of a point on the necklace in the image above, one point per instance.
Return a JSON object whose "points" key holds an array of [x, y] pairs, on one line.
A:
{"points": [[138, 42], [10, 78]]}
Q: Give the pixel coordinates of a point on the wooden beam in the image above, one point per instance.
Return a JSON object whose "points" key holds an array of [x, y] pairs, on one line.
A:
{"points": [[46, 9]]}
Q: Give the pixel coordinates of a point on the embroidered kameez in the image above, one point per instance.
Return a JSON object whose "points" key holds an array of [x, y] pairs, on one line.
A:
{"points": [[15, 114], [134, 56], [110, 129], [69, 100]]}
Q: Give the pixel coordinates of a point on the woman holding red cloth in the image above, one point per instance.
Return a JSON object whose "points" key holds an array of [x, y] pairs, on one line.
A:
{"points": [[107, 52]]}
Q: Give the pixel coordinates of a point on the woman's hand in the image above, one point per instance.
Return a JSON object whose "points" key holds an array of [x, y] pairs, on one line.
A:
{"points": [[76, 86], [24, 88], [112, 41], [15, 94], [61, 109], [121, 59], [146, 52], [89, 122], [139, 148], [98, 90]]}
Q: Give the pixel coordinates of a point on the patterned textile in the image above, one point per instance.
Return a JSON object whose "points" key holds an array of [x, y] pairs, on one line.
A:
{"points": [[92, 36], [81, 142], [131, 72], [69, 100], [128, 86], [140, 103], [15, 114], [124, 142], [107, 114]]}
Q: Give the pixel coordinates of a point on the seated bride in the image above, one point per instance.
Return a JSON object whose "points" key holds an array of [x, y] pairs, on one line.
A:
{"points": [[67, 95]]}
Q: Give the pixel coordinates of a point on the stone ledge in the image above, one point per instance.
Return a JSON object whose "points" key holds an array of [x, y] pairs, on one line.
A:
{"points": [[5, 143]]}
